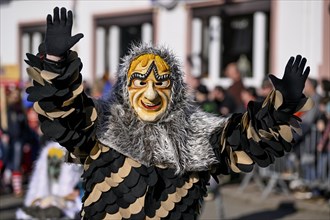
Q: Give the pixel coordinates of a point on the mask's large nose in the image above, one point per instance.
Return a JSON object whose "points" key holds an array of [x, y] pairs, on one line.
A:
{"points": [[150, 94]]}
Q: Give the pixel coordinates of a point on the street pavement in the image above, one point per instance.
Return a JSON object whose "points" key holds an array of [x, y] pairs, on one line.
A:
{"points": [[8, 206], [249, 205], [246, 205]]}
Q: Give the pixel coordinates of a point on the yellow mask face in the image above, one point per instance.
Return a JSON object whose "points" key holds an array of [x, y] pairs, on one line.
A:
{"points": [[149, 87]]}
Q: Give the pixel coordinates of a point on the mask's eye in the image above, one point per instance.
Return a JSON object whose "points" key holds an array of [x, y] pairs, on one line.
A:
{"points": [[138, 83], [163, 84]]}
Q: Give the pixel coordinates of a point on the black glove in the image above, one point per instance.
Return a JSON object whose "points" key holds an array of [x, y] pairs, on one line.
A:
{"points": [[58, 38], [293, 82]]}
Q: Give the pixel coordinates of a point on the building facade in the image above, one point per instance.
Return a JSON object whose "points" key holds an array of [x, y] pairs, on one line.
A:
{"points": [[206, 35]]}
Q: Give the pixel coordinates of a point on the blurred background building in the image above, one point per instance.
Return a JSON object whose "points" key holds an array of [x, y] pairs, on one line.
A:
{"points": [[206, 35]]}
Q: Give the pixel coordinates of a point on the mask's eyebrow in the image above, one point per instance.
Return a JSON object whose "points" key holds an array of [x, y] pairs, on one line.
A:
{"points": [[158, 77], [137, 75]]}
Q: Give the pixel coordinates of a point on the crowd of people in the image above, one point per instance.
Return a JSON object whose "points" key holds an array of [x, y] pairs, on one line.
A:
{"points": [[234, 99], [21, 141], [33, 166]]}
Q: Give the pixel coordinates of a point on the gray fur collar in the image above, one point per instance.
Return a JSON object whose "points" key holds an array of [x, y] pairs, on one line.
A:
{"points": [[180, 139]]}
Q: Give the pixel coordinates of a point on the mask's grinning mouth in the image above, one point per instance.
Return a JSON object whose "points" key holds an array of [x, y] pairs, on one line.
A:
{"points": [[151, 106]]}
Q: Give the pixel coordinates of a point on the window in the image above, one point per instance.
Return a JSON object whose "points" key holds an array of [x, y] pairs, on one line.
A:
{"points": [[30, 37], [230, 32], [114, 36], [237, 42]]}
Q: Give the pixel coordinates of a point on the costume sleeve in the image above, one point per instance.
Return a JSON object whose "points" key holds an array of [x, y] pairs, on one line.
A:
{"points": [[262, 133], [67, 115]]}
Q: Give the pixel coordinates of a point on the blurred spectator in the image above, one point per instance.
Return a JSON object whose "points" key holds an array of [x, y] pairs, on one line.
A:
{"points": [[266, 88], [193, 83], [102, 86], [305, 153], [1, 159], [235, 89], [87, 88], [224, 101], [203, 101], [52, 192], [323, 146], [13, 139], [325, 84], [31, 147], [310, 117], [247, 95]]}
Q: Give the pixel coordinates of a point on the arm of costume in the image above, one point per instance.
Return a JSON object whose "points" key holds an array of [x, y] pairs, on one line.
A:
{"points": [[265, 130], [66, 114]]}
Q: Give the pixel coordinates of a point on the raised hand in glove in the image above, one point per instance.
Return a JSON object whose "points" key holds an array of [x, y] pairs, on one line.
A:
{"points": [[293, 82], [58, 38]]}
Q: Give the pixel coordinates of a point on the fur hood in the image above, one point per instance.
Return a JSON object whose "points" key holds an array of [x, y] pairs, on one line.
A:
{"points": [[179, 140]]}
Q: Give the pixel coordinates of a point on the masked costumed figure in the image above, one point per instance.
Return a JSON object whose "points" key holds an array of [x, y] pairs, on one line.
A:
{"points": [[53, 191], [148, 151]]}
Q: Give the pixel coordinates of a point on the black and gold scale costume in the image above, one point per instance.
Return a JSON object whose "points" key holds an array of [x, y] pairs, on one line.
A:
{"points": [[118, 186]]}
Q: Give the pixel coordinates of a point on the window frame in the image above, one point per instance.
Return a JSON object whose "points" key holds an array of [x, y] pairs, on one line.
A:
{"points": [[118, 18], [261, 11], [29, 28]]}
